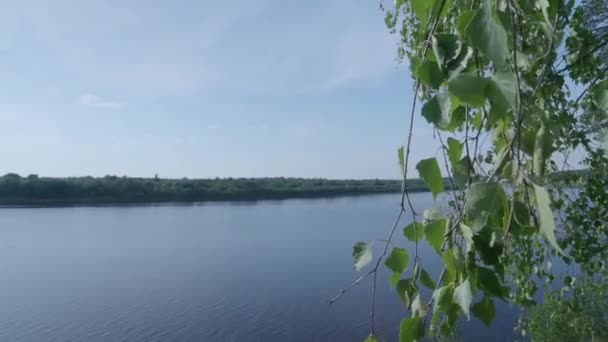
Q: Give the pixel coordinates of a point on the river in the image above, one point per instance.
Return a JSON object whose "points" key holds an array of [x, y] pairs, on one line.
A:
{"points": [[252, 271]]}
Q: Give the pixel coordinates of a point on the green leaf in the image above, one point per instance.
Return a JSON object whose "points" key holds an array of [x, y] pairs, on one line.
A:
{"points": [[443, 297], [412, 329], [547, 222], [467, 233], [458, 116], [461, 171], [433, 213], [426, 280], [455, 148], [463, 21], [440, 5], [399, 3], [489, 250], [461, 62], [544, 6], [390, 20], [484, 200], [406, 289], [484, 310], [362, 254], [434, 232], [397, 261], [502, 93], [428, 169], [429, 74], [418, 308], [542, 150], [604, 141], [414, 231], [469, 89], [488, 282], [463, 296], [523, 62], [371, 338], [401, 160], [487, 34], [438, 110], [446, 47], [422, 9], [599, 96], [477, 120]]}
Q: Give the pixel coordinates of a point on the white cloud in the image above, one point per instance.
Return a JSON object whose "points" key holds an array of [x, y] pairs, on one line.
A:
{"points": [[90, 100]]}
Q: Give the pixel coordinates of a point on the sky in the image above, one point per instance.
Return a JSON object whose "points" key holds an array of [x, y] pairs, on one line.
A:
{"points": [[203, 89]]}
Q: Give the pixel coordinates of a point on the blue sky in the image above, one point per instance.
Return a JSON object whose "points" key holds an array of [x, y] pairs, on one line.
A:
{"points": [[202, 89]]}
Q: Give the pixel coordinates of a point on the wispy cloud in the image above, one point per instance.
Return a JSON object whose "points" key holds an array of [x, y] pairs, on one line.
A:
{"points": [[90, 100]]}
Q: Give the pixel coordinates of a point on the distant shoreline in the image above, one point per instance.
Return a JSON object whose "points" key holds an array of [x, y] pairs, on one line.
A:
{"points": [[34, 191], [99, 203]]}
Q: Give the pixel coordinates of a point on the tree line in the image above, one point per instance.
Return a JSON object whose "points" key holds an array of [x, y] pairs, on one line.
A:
{"points": [[32, 189]]}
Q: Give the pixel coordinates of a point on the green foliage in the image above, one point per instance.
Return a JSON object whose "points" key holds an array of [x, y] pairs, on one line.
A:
{"points": [[511, 90], [371, 338], [469, 89], [487, 34], [397, 262], [484, 310], [581, 315], [547, 222], [463, 296], [438, 110], [434, 232], [34, 190], [412, 329], [414, 231], [362, 255], [429, 171]]}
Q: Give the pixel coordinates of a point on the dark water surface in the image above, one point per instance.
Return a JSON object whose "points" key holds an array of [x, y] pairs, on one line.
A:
{"points": [[214, 272]]}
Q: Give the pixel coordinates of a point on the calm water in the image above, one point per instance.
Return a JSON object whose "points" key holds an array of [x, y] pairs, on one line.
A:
{"points": [[215, 272]]}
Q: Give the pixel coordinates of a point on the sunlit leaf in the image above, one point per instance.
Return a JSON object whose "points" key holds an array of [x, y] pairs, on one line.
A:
{"points": [[463, 296], [429, 171], [599, 96], [432, 214], [467, 233], [542, 150], [418, 308], [362, 254], [547, 221]]}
